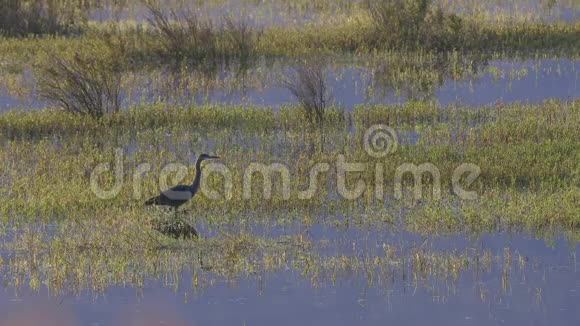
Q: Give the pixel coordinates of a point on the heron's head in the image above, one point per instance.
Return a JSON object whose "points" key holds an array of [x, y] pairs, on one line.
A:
{"points": [[204, 157]]}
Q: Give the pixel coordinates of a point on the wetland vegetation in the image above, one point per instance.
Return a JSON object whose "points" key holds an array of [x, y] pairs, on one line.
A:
{"points": [[117, 97]]}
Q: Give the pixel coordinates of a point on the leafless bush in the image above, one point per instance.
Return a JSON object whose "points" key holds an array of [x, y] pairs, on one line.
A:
{"points": [[309, 88], [20, 18], [181, 32], [83, 82], [413, 23], [401, 19]]}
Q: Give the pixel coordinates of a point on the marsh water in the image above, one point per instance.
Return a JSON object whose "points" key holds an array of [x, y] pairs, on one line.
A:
{"points": [[543, 288], [308, 270], [263, 13], [349, 83]]}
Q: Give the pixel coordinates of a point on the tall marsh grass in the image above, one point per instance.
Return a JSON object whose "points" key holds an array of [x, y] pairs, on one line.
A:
{"points": [[21, 18], [182, 33], [241, 36], [414, 23]]}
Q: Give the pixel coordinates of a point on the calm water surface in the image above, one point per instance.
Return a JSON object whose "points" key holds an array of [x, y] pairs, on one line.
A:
{"points": [[507, 81], [546, 291]]}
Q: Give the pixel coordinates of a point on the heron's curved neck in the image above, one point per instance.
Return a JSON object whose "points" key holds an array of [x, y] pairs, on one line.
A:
{"points": [[197, 178]]}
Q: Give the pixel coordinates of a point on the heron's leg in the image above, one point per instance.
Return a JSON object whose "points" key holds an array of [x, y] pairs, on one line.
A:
{"points": [[192, 232]]}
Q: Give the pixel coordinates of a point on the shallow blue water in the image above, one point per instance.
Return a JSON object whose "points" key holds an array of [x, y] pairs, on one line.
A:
{"points": [[267, 13], [506, 81], [543, 293]]}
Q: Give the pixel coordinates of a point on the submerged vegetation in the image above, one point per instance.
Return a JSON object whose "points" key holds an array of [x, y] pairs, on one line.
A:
{"points": [[195, 267], [50, 209]]}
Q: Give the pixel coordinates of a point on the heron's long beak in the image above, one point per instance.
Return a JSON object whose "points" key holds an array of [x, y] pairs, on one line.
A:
{"points": [[212, 157]]}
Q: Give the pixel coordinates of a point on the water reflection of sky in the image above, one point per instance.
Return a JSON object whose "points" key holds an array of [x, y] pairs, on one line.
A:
{"points": [[256, 15], [545, 293], [534, 87], [267, 13], [508, 81]]}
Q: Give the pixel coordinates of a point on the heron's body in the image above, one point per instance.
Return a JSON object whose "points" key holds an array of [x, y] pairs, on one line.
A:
{"points": [[174, 197], [181, 194]]}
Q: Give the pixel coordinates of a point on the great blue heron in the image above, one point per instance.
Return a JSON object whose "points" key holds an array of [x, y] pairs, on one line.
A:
{"points": [[179, 195]]}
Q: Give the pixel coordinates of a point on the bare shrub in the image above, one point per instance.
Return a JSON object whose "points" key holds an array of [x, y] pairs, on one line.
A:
{"points": [[181, 32], [399, 19], [309, 88], [20, 18], [86, 81], [412, 23], [442, 31]]}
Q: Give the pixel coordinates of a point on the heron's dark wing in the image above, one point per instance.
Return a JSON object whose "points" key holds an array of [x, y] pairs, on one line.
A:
{"points": [[178, 193], [183, 188], [175, 196]]}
